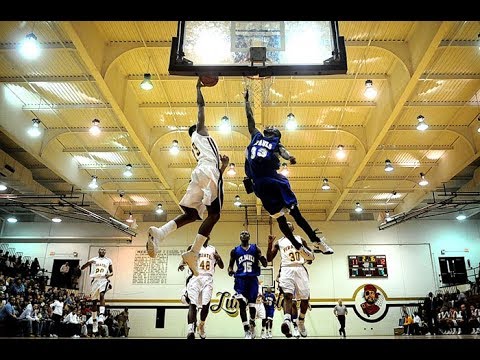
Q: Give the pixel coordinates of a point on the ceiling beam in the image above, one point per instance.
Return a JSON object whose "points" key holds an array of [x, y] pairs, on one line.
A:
{"points": [[425, 41], [87, 40], [293, 147], [241, 105], [440, 103], [51, 45], [46, 79], [111, 166], [99, 149], [50, 107]]}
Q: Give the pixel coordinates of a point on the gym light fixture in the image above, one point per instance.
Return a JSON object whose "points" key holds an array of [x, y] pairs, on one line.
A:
{"points": [[34, 130], [422, 125], [147, 84], [388, 166], [291, 123], [326, 185]]}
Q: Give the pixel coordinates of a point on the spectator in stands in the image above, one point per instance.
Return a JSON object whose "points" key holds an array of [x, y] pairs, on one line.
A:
{"points": [[76, 273], [122, 319], [431, 308], [65, 275], [9, 318], [18, 288], [407, 325], [417, 324], [57, 314], [34, 267]]}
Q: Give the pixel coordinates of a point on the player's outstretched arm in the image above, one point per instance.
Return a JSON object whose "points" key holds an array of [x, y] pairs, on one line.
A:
{"points": [[219, 260], [231, 262], [251, 120], [201, 128], [286, 155], [261, 258], [271, 249]]}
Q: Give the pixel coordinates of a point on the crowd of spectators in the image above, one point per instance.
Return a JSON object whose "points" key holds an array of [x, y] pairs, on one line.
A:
{"points": [[31, 308]]}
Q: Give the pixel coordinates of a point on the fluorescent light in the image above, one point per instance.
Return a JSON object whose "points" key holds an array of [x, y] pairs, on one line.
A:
{"points": [[3, 187], [174, 149], [225, 125], [326, 185], [370, 92], [388, 166], [34, 131], [128, 171], [95, 129], [291, 123], [159, 209], [237, 201], [12, 220], [231, 170], [56, 220]]}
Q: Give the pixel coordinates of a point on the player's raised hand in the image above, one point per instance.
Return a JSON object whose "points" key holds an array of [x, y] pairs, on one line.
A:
{"points": [[224, 159], [293, 160], [230, 272], [181, 267], [199, 83], [245, 95]]}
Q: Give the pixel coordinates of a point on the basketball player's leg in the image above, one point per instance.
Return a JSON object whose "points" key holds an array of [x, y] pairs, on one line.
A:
{"points": [[191, 204], [318, 242], [213, 200], [302, 293], [193, 293], [191, 319], [286, 284], [206, 296]]}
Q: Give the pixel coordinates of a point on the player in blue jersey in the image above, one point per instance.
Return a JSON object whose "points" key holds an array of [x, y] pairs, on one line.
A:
{"points": [[247, 257], [269, 302], [261, 165]]}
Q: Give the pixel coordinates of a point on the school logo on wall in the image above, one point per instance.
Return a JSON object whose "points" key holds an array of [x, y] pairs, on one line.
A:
{"points": [[370, 303]]}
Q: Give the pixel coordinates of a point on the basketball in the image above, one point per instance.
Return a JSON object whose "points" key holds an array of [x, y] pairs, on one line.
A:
{"points": [[208, 80]]}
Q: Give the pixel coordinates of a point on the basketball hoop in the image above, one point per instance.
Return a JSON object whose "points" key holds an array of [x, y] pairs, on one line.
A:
{"points": [[257, 84]]}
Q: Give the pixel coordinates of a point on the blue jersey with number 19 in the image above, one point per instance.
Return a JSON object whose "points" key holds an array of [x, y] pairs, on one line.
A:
{"points": [[261, 159]]}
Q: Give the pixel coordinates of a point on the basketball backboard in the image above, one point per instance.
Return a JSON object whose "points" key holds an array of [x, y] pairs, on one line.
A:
{"points": [[263, 48]]}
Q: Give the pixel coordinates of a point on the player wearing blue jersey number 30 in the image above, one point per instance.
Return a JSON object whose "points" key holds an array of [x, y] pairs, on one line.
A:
{"points": [[261, 165]]}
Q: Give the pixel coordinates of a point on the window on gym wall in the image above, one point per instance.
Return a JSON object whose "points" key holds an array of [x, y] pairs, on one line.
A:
{"points": [[453, 270]]}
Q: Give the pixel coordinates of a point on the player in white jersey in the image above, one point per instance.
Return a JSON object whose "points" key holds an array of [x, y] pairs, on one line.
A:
{"points": [[101, 269], [204, 192], [293, 278], [200, 288]]}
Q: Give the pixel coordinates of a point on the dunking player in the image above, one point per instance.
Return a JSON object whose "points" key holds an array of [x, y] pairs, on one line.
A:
{"points": [[246, 256], [204, 192], [101, 269], [293, 278], [200, 288], [261, 165]]}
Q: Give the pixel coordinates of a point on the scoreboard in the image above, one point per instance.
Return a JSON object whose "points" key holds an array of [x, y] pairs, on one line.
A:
{"points": [[367, 266]]}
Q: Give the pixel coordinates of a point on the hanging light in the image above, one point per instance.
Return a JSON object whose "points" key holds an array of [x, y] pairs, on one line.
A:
{"points": [[387, 216], [130, 218], [388, 166], [12, 220], [56, 220], [237, 201], [95, 129], [291, 123], [147, 84], [326, 185], [358, 208], [174, 149], [34, 130], [93, 184], [341, 152], [159, 209], [461, 216], [225, 125], [370, 92], [128, 170], [231, 169], [29, 47], [284, 170], [422, 125], [3, 187], [423, 181]]}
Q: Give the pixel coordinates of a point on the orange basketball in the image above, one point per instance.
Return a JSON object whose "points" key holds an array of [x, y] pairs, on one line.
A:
{"points": [[208, 80]]}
